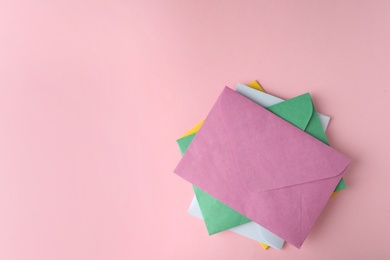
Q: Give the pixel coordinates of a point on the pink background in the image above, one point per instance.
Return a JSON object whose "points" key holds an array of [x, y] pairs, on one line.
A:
{"points": [[94, 93]]}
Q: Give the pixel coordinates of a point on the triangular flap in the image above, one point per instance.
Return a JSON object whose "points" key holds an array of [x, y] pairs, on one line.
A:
{"points": [[296, 111], [184, 142], [270, 152], [217, 215]]}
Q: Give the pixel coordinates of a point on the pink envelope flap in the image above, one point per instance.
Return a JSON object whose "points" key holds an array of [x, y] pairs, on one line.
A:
{"points": [[262, 166], [301, 107], [282, 154]]}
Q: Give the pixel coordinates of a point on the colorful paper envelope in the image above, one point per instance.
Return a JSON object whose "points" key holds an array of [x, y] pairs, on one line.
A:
{"points": [[218, 217], [281, 178]]}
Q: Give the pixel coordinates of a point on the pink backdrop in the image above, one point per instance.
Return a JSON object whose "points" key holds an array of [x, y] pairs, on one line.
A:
{"points": [[94, 93]]}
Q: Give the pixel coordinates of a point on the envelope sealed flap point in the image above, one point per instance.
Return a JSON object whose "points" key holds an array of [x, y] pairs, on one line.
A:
{"points": [[262, 166], [297, 111]]}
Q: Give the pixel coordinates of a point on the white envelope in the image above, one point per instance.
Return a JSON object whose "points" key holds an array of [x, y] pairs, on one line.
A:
{"points": [[251, 229]]}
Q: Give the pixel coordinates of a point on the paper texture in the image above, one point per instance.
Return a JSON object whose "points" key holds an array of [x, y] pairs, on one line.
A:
{"points": [[281, 178], [218, 213], [267, 100]]}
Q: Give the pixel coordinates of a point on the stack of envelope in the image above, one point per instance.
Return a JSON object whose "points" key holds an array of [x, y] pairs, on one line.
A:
{"points": [[260, 166]]}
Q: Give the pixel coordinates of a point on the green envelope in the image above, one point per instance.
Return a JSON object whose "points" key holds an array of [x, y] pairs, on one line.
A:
{"points": [[300, 112]]}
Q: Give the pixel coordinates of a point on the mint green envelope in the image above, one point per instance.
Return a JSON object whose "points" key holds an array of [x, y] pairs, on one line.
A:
{"points": [[300, 112]]}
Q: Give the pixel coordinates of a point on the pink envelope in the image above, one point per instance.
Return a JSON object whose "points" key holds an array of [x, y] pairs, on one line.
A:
{"points": [[262, 166]]}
